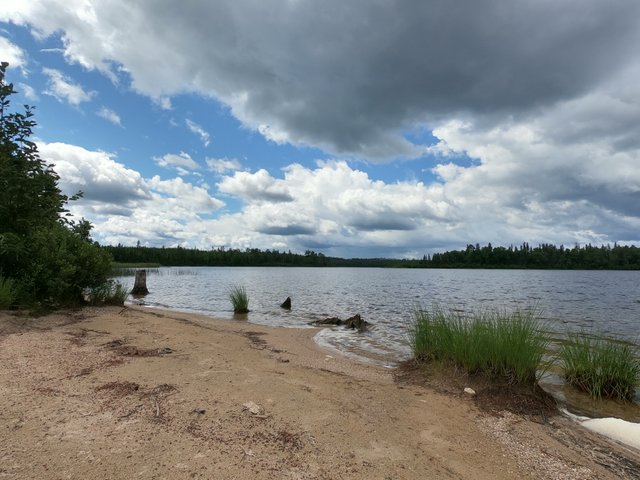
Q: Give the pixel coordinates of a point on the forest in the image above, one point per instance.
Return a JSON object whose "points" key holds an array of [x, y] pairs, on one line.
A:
{"points": [[544, 256]]}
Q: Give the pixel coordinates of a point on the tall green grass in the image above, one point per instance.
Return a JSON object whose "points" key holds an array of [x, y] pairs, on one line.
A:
{"points": [[109, 293], [501, 345], [7, 292], [239, 299], [602, 367]]}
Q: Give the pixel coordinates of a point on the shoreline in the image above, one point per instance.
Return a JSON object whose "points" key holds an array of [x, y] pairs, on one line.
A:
{"points": [[89, 394], [578, 404]]}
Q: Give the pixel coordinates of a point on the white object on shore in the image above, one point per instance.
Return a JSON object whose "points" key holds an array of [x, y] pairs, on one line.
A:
{"points": [[624, 432], [616, 428], [254, 408], [470, 391]]}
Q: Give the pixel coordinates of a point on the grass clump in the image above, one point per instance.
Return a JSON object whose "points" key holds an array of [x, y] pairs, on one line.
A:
{"points": [[239, 299], [500, 345], [602, 367], [109, 293], [7, 292]]}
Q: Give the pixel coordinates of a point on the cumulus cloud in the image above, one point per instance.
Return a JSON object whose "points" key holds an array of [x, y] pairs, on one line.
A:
{"points": [[61, 87], [96, 173], [343, 211], [182, 162], [198, 130], [341, 75], [124, 206], [333, 204], [11, 53], [259, 186], [222, 165], [192, 198], [109, 115]]}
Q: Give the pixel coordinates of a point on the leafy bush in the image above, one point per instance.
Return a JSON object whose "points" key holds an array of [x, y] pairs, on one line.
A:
{"points": [[49, 258], [500, 345], [602, 367], [6, 292], [57, 265], [239, 299]]}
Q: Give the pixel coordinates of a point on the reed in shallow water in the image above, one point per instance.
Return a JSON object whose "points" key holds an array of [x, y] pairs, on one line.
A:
{"points": [[600, 366], [239, 299], [501, 345]]}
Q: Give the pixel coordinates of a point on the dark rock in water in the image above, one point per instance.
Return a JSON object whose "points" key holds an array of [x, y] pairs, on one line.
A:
{"points": [[356, 322], [286, 304]]}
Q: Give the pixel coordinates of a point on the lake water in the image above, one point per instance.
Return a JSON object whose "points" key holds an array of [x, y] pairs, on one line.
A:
{"points": [[596, 301]]}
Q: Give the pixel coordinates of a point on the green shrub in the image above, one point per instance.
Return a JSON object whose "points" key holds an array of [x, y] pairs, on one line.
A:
{"points": [[602, 367], [7, 293], [497, 344], [239, 299], [56, 266]]}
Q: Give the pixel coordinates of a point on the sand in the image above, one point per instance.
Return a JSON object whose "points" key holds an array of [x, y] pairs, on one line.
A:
{"points": [[133, 393]]}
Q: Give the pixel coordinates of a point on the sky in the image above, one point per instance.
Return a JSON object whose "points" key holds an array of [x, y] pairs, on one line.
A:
{"points": [[367, 128]]}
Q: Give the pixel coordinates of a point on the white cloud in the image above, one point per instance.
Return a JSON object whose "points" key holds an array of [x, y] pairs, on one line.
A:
{"points": [[163, 102], [109, 115], [125, 207], [62, 88], [342, 211], [259, 186], [11, 53], [222, 165], [198, 130], [182, 161], [96, 173], [192, 198], [28, 92]]}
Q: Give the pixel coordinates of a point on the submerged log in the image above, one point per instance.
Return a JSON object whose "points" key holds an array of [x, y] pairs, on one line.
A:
{"points": [[286, 304], [140, 285], [356, 322], [328, 321]]}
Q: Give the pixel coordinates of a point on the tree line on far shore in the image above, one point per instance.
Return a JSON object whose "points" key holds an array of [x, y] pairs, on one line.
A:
{"points": [[545, 256]]}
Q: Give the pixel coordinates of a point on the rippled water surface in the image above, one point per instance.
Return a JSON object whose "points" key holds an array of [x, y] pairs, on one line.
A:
{"points": [[599, 301]]}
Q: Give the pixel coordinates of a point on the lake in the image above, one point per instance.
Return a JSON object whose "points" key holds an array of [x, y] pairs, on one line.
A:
{"points": [[605, 302]]}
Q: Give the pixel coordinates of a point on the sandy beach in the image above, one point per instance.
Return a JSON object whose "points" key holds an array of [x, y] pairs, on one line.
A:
{"points": [[124, 393]]}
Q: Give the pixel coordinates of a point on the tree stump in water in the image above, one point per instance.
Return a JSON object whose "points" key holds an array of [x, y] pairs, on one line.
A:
{"points": [[140, 285]]}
